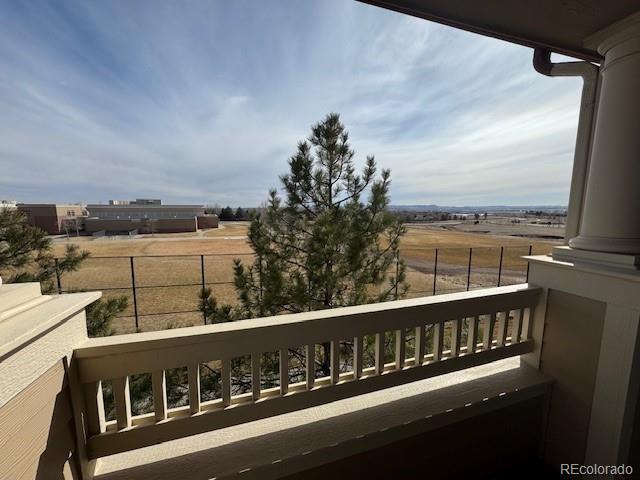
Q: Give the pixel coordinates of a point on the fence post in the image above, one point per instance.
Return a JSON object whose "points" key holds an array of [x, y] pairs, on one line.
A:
{"points": [[530, 251], [58, 276], [435, 272], [500, 267], [309, 288], [260, 309], [469, 269], [204, 310], [397, 272], [133, 288]]}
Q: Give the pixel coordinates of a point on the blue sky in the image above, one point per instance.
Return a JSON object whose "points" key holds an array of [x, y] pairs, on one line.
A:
{"points": [[204, 101]]}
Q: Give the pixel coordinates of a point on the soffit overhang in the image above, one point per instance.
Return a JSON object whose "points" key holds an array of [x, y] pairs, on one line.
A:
{"points": [[558, 25]]}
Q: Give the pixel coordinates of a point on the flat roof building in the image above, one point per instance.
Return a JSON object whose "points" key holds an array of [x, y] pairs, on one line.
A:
{"points": [[147, 216], [137, 201], [138, 211]]}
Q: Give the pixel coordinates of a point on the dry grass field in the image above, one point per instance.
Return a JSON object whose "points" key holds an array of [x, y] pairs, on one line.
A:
{"points": [[168, 268]]}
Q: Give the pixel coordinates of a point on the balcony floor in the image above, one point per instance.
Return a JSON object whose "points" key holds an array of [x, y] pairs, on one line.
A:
{"points": [[311, 438]]}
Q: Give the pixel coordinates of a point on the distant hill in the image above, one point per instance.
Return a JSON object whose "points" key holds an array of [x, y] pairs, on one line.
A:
{"points": [[479, 209]]}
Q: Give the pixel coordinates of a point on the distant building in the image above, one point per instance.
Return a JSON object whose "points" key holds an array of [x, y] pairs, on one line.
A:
{"points": [[137, 201], [147, 216], [8, 204], [53, 218]]}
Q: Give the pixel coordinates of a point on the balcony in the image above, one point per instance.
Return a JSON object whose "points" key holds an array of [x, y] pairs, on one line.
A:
{"points": [[474, 383], [469, 367]]}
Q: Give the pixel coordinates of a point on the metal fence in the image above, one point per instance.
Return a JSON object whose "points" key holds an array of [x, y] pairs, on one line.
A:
{"points": [[163, 289]]}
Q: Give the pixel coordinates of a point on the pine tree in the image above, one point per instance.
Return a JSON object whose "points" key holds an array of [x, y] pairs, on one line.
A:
{"points": [[240, 214], [322, 245], [25, 253], [26, 256], [226, 213]]}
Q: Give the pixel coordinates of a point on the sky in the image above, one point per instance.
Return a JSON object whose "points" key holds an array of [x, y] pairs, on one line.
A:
{"points": [[205, 101]]}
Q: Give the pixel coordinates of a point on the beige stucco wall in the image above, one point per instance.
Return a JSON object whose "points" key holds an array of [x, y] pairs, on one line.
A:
{"points": [[570, 353], [38, 430]]}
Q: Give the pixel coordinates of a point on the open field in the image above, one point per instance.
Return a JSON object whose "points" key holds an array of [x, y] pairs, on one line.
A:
{"points": [[418, 250], [169, 269], [504, 227]]}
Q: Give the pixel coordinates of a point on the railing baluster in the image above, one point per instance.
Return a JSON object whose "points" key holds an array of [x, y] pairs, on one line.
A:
{"points": [[516, 328], [225, 373], [255, 376], [311, 365], [400, 348], [193, 372], [507, 316], [527, 324], [284, 371], [503, 324], [438, 338], [357, 357], [159, 386], [419, 355], [379, 353], [94, 407], [456, 332], [472, 334], [335, 361], [487, 339], [123, 402]]}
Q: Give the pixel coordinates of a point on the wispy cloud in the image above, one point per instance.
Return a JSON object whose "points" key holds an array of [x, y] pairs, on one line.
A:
{"points": [[204, 102]]}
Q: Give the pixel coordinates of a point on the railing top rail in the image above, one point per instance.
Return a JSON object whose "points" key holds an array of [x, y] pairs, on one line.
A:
{"points": [[143, 352]]}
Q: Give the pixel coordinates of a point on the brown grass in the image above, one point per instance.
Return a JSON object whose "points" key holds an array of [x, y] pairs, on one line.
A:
{"points": [[168, 268]]}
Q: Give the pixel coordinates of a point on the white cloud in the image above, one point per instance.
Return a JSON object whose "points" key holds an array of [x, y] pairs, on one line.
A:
{"points": [[205, 102]]}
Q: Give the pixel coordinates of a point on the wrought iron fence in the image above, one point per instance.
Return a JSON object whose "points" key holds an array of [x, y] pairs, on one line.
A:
{"points": [[146, 280]]}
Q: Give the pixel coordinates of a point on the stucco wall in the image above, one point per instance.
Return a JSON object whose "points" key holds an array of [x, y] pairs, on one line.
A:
{"points": [[37, 426], [570, 353]]}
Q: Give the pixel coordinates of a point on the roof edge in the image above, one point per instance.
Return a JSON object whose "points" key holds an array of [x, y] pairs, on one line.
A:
{"points": [[583, 53]]}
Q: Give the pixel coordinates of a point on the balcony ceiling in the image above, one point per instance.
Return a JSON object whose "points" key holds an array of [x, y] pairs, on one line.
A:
{"points": [[560, 25]]}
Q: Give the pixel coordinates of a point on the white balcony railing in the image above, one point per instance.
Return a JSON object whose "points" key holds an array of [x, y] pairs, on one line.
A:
{"points": [[495, 322]]}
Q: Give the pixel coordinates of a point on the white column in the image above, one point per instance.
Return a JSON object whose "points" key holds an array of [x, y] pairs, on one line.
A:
{"points": [[611, 215]]}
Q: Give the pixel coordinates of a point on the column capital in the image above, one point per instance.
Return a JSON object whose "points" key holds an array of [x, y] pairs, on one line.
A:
{"points": [[610, 218], [614, 35]]}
